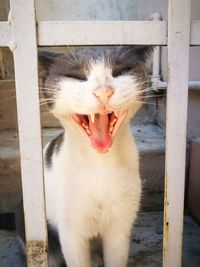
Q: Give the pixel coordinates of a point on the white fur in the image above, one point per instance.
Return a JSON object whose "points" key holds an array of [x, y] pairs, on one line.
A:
{"points": [[88, 193], [77, 97]]}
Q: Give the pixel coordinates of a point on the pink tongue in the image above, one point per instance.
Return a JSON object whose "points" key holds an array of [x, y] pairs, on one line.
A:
{"points": [[100, 138]]}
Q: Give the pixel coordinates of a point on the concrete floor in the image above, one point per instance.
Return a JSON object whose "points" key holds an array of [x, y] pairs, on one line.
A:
{"points": [[146, 246]]}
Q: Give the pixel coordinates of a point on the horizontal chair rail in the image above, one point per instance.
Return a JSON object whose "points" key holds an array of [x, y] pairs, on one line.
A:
{"points": [[58, 33]]}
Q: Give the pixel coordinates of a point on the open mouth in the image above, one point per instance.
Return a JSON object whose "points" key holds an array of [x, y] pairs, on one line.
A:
{"points": [[100, 129]]}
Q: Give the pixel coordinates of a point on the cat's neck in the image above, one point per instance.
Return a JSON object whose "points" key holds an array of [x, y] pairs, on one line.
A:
{"points": [[73, 142]]}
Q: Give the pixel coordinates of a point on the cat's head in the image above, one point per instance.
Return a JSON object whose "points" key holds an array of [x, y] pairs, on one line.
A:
{"points": [[98, 89]]}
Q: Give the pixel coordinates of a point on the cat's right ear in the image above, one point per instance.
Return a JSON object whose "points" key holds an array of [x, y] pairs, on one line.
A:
{"points": [[45, 60]]}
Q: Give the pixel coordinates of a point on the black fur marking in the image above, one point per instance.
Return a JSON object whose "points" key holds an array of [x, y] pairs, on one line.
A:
{"points": [[64, 65], [46, 58], [53, 238], [96, 248], [53, 147], [54, 245], [77, 66]]}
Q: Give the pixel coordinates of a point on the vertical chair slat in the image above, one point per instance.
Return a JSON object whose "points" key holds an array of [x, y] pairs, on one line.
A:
{"points": [[5, 33], [177, 98], [26, 74], [24, 46]]}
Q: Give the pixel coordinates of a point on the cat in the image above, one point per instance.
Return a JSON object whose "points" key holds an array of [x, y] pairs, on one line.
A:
{"points": [[92, 180]]}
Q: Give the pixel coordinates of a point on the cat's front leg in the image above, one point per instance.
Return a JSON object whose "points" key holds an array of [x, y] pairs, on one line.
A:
{"points": [[75, 249], [116, 245]]}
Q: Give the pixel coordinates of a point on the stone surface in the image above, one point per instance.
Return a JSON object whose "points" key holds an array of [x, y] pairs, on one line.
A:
{"points": [[10, 252], [146, 243], [150, 142], [146, 247]]}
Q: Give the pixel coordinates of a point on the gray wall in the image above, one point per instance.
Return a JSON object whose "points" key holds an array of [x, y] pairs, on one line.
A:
{"points": [[98, 10]]}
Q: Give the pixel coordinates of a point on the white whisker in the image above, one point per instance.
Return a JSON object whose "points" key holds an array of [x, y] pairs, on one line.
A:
{"points": [[73, 54]]}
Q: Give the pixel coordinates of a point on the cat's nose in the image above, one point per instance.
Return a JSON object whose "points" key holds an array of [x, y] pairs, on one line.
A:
{"points": [[103, 93]]}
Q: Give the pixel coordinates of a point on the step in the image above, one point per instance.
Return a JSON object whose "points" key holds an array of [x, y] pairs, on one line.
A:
{"points": [[150, 142], [146, 243]]}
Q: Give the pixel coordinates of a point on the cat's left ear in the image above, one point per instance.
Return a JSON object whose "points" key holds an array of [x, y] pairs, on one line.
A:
{"points": [[143, 51]]}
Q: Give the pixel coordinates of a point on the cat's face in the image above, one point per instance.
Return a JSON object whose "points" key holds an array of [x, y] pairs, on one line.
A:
{"points": [[97, 89]]}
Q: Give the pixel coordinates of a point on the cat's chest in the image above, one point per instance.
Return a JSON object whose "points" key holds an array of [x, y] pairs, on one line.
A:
{"points": [[82, 181], [85, 185], [89, 177], [82, 172]]}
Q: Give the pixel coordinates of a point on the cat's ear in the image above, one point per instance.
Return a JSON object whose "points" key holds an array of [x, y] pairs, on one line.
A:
{"points": [[143, 52], [45, 60]]}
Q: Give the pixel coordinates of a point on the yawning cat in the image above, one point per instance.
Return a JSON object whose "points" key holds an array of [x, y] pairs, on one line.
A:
{"points": [[92, 180]]}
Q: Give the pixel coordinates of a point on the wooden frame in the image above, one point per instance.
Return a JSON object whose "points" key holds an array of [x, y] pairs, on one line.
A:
{"points": [[177, 99], [58, 33], [22, 25]]}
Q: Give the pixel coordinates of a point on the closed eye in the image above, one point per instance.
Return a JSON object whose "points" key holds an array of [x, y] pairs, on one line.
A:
{"points": [[77, 77], [119, 72]]}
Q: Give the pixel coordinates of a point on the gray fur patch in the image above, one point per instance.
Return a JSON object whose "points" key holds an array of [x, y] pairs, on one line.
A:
{"points": [[53, 147], [76, 64]]}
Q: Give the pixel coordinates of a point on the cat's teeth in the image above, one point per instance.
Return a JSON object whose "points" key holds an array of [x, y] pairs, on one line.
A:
{"points": [[111, 129], [113, 121], [85, 126], [117, 114], [88, 131], [92, 117]]}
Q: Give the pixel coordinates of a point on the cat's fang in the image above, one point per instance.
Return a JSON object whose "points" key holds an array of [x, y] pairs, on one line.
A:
{"points": [[88, 131], [92, 115]]}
